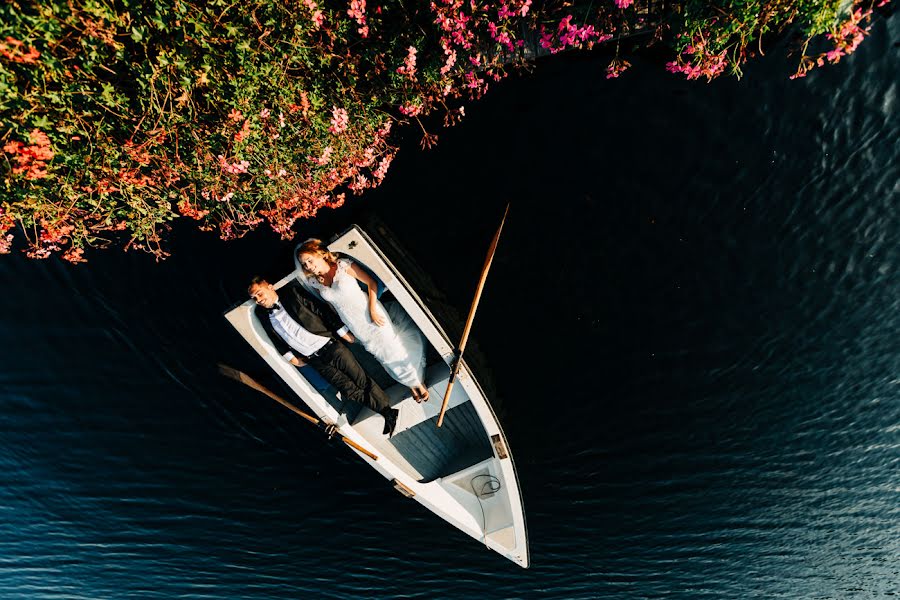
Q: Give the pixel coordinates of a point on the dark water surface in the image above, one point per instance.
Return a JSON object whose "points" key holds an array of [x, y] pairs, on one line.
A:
{"points": [[693, 322]]}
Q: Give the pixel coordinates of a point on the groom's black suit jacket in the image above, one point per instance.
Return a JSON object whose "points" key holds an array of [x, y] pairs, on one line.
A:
{"points": [[312, 315]]}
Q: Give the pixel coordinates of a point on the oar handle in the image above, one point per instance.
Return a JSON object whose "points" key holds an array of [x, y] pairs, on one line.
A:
{"points": [[480, 288], [454, 369], [356, 446]]}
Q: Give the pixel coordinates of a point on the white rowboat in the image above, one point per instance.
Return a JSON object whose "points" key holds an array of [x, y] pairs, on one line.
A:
{"points": [[463, 471]]}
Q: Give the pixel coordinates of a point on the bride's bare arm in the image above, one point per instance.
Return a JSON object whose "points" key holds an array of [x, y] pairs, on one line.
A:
{"points": [[372, 288]]}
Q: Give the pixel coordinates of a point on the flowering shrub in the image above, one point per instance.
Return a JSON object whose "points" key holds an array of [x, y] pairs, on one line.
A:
{"points": [[718, 36], [118, 116]]}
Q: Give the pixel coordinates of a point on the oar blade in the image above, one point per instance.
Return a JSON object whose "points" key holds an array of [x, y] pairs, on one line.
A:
{"points": [[250, 382], [230, 372]]}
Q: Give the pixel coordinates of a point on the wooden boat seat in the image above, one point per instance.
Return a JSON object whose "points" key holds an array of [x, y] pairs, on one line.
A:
{"points": [[411, 412], [428, 451]]}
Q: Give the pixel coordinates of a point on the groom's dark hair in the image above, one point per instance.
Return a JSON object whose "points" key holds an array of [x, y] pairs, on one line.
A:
{"points": [[257, 280]]}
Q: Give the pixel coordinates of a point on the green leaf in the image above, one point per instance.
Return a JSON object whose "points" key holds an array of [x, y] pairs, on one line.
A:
{"points": [[108, 94]]}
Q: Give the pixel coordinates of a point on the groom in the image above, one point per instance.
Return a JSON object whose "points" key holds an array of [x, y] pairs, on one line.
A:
{"points": [[298, 329]]}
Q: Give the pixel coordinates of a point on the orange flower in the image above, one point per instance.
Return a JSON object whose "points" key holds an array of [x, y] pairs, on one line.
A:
{"points": [[12, 49], [31, 159]]}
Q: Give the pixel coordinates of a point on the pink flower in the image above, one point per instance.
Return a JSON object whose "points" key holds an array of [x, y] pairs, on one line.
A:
{"points": [[472, 81], [382, 169], [451, 60], [325, 157], [359, 183], [339, 120], [616, 68], [316, 14], [585, 33], [236, 115], [74, 255], [6, 244], [673, 67], [357, 11], [546, 41], [624, 3], [233, 168], [834, 55], [410, 110], [571, 35], [367, 159], [409, 65]]}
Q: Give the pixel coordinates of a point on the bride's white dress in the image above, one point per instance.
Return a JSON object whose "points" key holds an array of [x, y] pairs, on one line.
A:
{"points": [[397, 345]]}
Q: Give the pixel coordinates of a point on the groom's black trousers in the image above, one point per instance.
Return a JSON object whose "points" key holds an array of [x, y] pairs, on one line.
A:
{"points": [[338, 366]]}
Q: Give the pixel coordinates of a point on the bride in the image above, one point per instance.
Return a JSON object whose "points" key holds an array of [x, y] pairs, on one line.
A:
{"points": [[393, 340]]}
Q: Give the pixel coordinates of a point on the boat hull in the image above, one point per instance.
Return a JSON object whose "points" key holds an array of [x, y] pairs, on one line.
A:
{"points": [[463, 471]]}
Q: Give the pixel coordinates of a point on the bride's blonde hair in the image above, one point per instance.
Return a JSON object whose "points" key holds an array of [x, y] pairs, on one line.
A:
{"points": [[316, 248]]}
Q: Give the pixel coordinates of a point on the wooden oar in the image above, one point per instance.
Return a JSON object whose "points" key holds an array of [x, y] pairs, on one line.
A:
{"points": [[249, 381], [454, 370]]}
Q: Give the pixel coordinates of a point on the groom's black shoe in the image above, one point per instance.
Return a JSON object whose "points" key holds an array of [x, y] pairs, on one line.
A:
{"points": [[390, 421]]}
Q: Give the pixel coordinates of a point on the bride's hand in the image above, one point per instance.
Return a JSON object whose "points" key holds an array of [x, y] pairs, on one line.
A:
{"points": [[376, 317]]}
